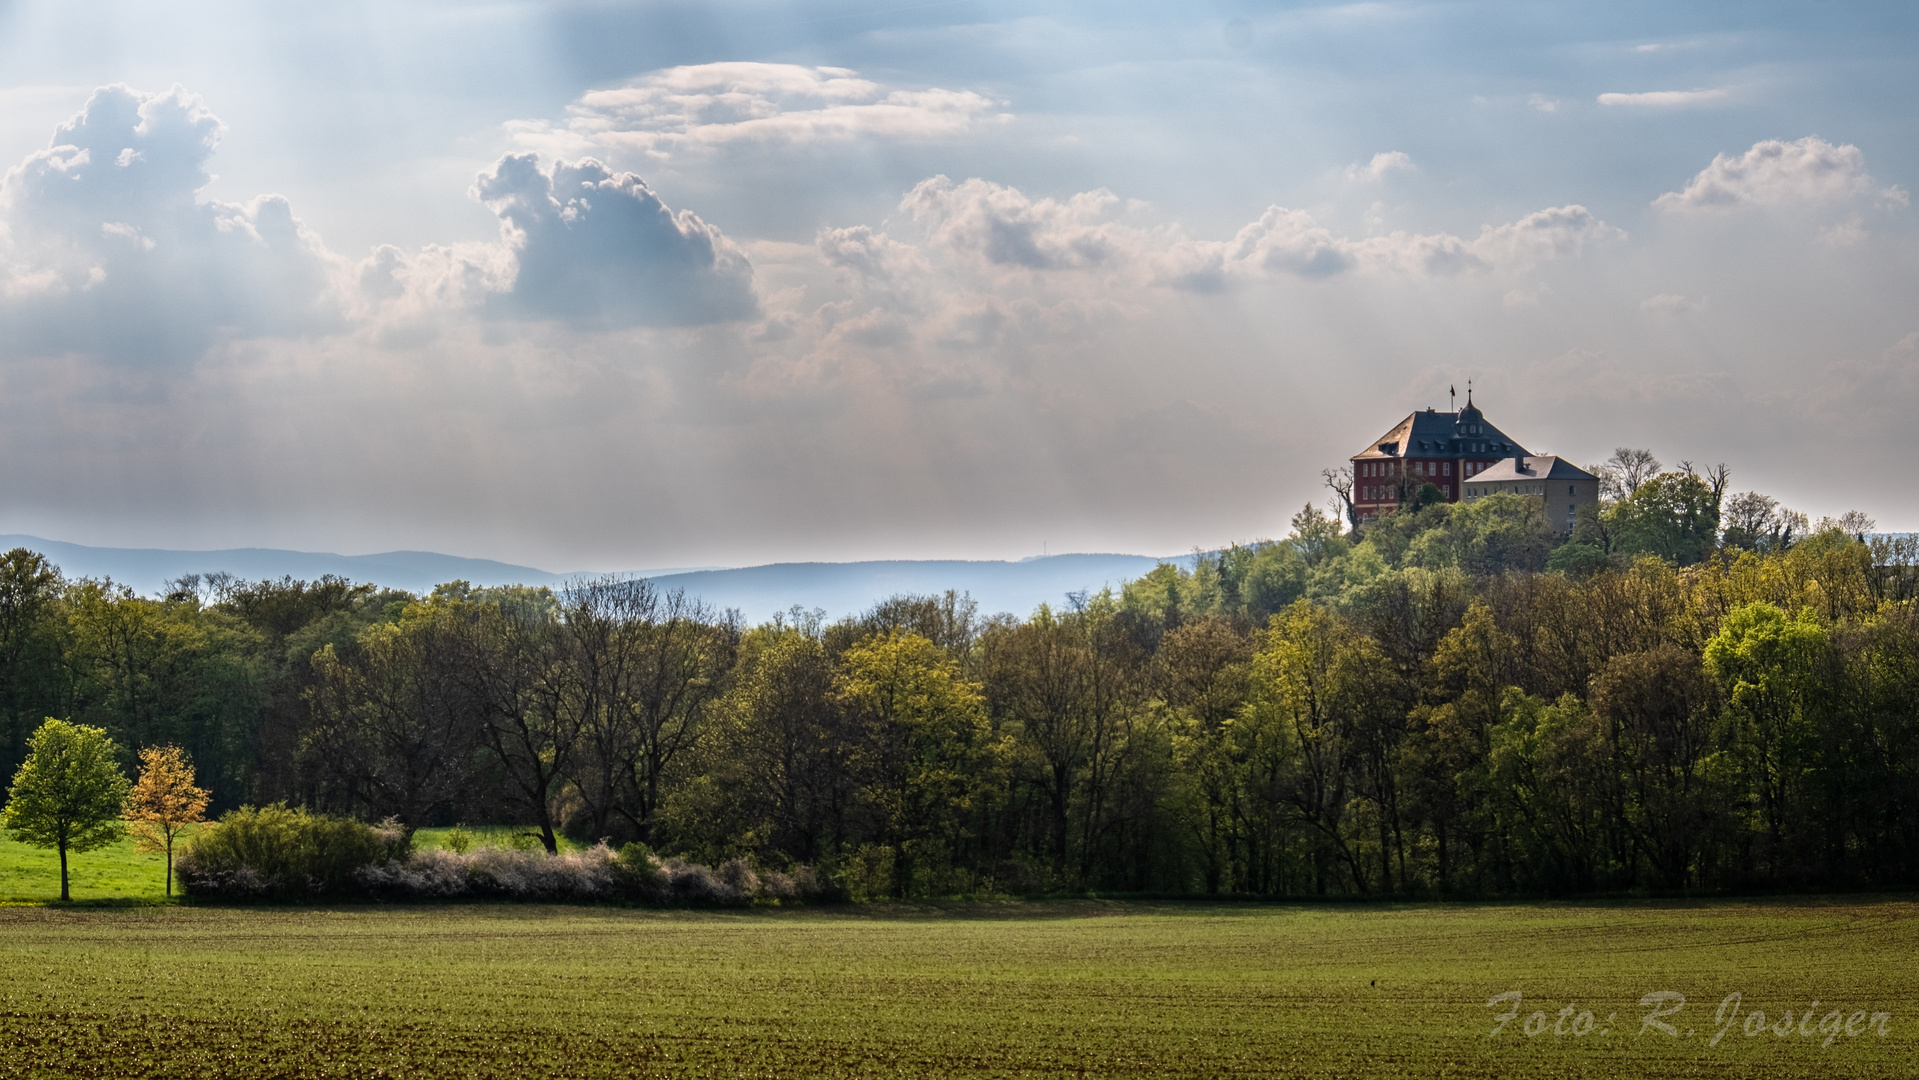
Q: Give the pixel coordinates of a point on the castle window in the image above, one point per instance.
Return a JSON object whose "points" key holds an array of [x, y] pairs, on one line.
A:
{"points": [[1448, 467]]}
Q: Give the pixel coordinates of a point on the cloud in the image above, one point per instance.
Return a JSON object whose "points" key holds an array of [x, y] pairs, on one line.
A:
{"points": [[1543, 103], [1557, 232], [708, 106], [1844, 233], [106, 247], [1776, 173], [1294, 242], [1382, 163], [1667, 99], [596, 247], [1671, 304], [1004, 227]]}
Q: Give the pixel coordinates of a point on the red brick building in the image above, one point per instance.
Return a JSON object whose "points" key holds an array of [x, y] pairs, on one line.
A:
{"points": [[1444, 449]]}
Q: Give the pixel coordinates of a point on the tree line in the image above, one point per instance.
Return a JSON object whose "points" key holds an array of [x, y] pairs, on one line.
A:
{"points": [[1694, 691]]}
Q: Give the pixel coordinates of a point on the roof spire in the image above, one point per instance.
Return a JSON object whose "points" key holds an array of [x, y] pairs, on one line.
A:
{"points": [[1469, 392]]}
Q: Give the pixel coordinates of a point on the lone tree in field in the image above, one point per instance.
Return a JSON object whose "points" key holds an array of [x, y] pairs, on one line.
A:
{"points": [[164, 802], [69, 792]]}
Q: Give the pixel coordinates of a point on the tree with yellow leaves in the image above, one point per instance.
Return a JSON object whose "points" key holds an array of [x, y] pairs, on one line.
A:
{"points": [[164, 802]]}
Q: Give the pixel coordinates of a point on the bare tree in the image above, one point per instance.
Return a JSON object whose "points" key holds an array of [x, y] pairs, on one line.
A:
{"points": [[1340, 482], [586, 681], [1758, 522], [1750, 512], [1854, 523], [685, 658], [504, 654], [394, 723], [634, 671], [1621, 474], [1718, 478], [206, 589]]}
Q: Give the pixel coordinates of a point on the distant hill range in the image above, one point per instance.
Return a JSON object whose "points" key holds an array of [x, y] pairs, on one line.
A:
{"points": [[756, 591], [848, 588]]}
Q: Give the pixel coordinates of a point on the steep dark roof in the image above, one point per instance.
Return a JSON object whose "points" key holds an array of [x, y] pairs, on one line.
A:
{"points": [[1537, 468], [1443, 435]]}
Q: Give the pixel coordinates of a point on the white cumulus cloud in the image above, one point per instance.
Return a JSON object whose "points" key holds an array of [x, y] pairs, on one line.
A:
{"points": [[1002, 226], [1384, 162], [107, 248], [1294, 242], [1775, 173]]}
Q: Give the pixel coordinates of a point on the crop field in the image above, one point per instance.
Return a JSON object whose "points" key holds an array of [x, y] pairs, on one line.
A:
{"points": [[1079, 988]]}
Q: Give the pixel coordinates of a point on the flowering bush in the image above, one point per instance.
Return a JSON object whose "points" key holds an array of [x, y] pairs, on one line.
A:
{"points": [[277, 853]]}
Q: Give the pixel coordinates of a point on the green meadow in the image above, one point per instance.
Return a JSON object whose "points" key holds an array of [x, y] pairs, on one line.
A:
{"points": [[113, 874], [1060, 988], [118, 874]]}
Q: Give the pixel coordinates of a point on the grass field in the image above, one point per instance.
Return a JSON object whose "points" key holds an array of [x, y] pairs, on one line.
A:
{"points": [[115, 873], [1014, 989], [118, 874]]}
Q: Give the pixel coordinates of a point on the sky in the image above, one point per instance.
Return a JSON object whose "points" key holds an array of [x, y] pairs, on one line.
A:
{"points": [[601, 286]]}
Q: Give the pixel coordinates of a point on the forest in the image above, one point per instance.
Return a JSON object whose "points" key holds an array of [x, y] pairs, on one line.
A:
{"points": [[1693, 692]]}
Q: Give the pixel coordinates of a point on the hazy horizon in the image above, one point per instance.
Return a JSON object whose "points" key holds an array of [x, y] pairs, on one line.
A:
{"points": [[678, 284]]}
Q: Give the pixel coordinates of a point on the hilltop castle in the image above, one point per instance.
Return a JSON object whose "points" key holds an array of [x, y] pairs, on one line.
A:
{"points": [[1463, 456]]}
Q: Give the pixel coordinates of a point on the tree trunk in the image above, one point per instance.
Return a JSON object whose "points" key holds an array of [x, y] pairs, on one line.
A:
{"points": [[63, 873]]}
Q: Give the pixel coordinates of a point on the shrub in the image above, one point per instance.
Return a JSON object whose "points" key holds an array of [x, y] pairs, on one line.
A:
{"points": [[274, 851], [598, 873], [277, 853]]}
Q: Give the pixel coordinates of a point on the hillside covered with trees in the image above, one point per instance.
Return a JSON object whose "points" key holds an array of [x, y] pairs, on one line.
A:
{"points": [[1694, 691]]}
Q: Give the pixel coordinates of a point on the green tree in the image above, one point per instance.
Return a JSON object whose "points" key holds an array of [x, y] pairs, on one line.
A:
{"points": [[769, 775], [1543, 779], [1674, 515], [69, 792], [1486, 536], [1201, 672], [1655, 711], [393, 725], [1294, 739], [1770, 665], [165, 671], [1464, 685], [927, 753], [1058, 683], [29, 647]]}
